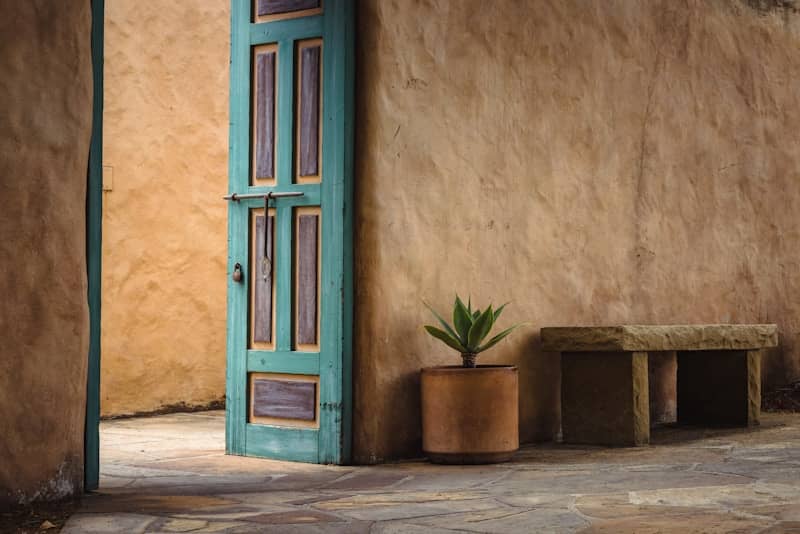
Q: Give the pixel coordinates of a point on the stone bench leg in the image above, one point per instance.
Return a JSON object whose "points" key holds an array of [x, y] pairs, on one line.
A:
{"points": [[719, 387], [604, 398]]}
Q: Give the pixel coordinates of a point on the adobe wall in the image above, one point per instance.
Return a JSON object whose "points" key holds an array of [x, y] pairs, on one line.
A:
{"points": [[45, 128], [592, 162], [164, 220]]}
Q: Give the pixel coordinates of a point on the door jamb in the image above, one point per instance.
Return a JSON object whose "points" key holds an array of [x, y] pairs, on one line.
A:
{"points": [[94, 256]]}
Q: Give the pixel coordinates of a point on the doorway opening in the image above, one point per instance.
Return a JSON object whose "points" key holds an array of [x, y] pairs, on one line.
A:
{"points": [[189, 149], [162, 170]]}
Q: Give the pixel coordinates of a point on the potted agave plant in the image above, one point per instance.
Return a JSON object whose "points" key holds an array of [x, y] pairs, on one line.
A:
{"points": [[470, 412]]}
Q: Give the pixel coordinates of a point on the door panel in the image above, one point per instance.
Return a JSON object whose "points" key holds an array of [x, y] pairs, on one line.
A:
{"points": [[262, 289], [308, 111], [290, 317], [272, 10], [263, 107], [276, 397], [307, 270]]}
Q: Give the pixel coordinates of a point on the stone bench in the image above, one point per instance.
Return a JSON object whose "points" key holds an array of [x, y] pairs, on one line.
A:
{"points": [[604, 382]]}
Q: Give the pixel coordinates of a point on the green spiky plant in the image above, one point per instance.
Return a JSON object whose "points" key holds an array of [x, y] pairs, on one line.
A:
{"points": [[470, 328]]}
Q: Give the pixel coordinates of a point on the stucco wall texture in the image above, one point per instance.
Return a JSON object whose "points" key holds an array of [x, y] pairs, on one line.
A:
{"points": [[592, 162], [45, 127], [164, 220]]}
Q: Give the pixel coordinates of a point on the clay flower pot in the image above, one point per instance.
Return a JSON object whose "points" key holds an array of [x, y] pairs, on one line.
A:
{"points": [[470, 415]]}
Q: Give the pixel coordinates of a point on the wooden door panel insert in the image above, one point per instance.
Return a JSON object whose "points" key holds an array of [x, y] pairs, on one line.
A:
{"points": [[274, 10], [282, 399], [307, 279], [262, 290], [264, 91], [308, 110]]}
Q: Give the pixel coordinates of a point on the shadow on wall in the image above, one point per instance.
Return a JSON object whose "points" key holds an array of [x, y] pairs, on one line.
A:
{"points": [[404, 392], [776, 362], [540, 391], [766, 6]]}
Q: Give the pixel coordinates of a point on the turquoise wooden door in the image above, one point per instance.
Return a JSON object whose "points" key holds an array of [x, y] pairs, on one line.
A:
{"points": [[289, 230]]}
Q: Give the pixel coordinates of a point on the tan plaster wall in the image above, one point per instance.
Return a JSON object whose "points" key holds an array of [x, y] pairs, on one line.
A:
{"points": [[45, 126], [592, 162], [164, 221]]}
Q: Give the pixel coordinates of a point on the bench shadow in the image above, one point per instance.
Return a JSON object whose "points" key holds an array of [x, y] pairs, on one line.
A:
{"points": [[675, 433], [664, 438]]}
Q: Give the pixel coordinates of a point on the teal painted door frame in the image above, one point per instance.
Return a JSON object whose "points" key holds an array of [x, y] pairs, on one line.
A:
{"points": [[94, 254], [330, 442]]}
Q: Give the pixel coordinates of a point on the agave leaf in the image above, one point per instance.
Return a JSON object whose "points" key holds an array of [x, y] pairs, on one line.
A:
{"points": [[462, 320], [498, 311], [492, 342], [480, 328], [441, 320], [476, 314], [451, 342], [469, 304]]}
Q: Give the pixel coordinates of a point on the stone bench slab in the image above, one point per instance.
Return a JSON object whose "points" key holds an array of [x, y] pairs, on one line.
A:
{"points": [[645, 338]]}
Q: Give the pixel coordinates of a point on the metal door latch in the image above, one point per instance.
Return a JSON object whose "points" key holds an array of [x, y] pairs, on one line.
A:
{"points": [[236, 197], [266, 262]]}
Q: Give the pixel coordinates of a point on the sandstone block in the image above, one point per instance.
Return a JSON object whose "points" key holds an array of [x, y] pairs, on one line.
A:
{"points": [[634, 338], [604, 398]]}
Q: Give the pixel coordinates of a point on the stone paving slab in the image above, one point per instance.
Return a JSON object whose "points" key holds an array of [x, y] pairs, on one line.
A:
{"points": [[687, 480], [104, 523], [512, 521], [710, 522]]}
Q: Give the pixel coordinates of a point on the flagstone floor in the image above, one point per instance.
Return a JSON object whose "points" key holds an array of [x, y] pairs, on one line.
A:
{"points": [[169, 474]]}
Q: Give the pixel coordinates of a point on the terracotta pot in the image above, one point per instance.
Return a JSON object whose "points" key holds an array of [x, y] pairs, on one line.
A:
{"points": [[470, 415]]}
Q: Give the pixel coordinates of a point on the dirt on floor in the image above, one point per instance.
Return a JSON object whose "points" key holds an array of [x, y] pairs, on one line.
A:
{"points": [[38, 517], [178, 407]]}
